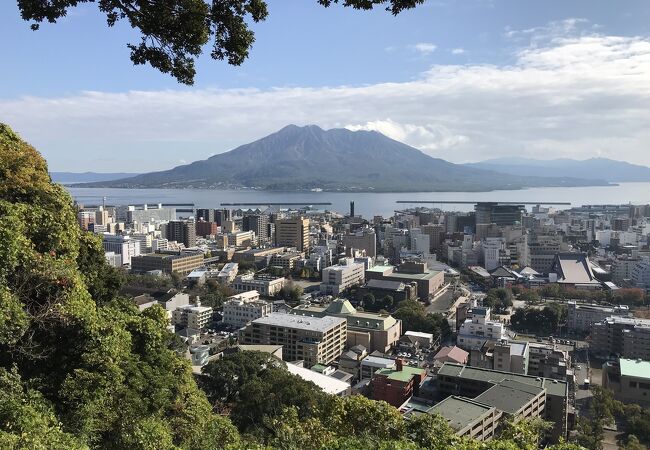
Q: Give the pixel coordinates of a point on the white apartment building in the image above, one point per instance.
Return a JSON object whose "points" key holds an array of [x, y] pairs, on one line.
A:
{"points": [[240, 309], [121, 245], [191, 316], [581, 317], [159, 244], [478, 328], [228, 273], [346, 274], [495, 253], [144, 239]]}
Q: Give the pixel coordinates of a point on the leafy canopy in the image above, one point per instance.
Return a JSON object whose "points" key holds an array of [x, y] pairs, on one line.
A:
{"points": [[174, 32]]}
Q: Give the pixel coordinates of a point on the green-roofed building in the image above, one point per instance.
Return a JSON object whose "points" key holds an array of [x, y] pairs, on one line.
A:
{"points": [[518, 395], [629, 379], [468, 418], [376, 332], [397, 385]]}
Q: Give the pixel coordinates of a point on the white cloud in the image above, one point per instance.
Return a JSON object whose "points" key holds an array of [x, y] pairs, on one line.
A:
{"points": [[457, 51], [424, 48], [429, 138], [574, 96]]}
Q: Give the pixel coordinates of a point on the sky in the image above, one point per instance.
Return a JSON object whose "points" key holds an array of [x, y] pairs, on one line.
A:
{"points": [[462, 80]]}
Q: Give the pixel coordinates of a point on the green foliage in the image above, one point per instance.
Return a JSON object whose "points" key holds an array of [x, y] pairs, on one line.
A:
{"points": [[99, 372], [626, 296], [530, 296], [431, 431], [173, 33], [415, 318], [27, 420], [291, 292], [102, 280], [498, 299], [256, 387], [544, 321], [213, 293]]}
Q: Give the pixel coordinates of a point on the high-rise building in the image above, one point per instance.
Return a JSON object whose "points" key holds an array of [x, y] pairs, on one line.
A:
{"points": [[436, 234], [222, 214], [206, 228], [205, 214], [292, 233], [258, 224], [542, 251], [502, 215], [181, 231], [363, 239]]}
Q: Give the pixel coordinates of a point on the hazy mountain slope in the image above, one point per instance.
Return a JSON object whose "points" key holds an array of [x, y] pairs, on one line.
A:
{"points": [[87, 177], [338, 159], [600, 168]]}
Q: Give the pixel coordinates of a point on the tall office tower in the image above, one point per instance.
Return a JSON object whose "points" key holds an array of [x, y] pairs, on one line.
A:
{"points": [[489, 212], [222, 214], [205, 214], [352, 209], [181, 231], [259, 224], [436, 234], [292, 233]]}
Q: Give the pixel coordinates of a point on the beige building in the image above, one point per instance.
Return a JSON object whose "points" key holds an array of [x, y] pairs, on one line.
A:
{"points": [[315, 340], [287, 260], [182, 263], [345, 275], [292, 233], [429, 281], [373, 331], [266, 285], [191, 316]]}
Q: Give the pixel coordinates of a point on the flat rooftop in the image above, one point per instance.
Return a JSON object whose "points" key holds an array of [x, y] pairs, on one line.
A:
{"points": [[460, 411], [553, 387], [509, 396], [403, 375], [636, 368], [320, 324]]}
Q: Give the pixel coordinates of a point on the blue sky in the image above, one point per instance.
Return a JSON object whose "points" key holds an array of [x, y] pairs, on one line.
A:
{"points": [[497, 78]]}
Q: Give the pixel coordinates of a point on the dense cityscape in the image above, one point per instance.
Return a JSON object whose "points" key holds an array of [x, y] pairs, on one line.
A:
{"points": [[502, 314]]}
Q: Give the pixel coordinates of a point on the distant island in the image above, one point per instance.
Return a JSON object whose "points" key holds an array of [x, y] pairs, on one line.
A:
{"points": [[309, 158]]}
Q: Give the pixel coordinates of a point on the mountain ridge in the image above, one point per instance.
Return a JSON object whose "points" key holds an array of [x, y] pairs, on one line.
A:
{"points": [[610, 170], [308, 157]]}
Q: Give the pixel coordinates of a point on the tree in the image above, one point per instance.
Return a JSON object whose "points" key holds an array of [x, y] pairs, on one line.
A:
{"points": [[431, 431], [87, 369], [257, 387], [368, 302], [174, 32], [415, 318]]}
